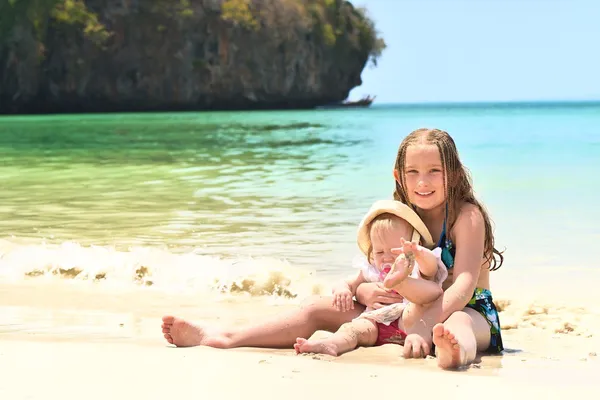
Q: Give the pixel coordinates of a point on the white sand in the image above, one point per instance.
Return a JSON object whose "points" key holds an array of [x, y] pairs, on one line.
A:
{"points": [[71, 341], [96, 370]]}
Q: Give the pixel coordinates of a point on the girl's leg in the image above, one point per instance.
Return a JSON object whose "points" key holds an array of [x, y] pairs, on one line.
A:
{"points": [[467, 329], [459, 338], [316, 313], [361, 332]]}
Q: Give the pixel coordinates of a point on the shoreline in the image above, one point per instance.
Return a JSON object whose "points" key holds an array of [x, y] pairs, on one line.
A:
{"points": [[80, 109], [310, 106]]}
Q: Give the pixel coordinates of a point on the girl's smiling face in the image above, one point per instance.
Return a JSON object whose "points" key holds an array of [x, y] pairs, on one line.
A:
{"points": [[424, 176]]}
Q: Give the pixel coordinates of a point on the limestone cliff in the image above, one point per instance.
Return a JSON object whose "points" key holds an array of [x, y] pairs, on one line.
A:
{"points": [[181, 54]]}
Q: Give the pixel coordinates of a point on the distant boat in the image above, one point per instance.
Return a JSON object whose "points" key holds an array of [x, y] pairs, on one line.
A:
{"points": [[364, 102]]}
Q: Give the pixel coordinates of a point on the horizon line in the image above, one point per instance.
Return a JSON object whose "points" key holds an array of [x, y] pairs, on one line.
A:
{"points": [[487, 102]]}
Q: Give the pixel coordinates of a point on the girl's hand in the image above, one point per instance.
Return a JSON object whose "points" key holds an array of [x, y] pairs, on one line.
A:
{"points": [[342, 299], [374, 295]]}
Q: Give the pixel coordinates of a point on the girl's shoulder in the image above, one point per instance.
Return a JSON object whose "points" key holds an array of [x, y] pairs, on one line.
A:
{"points": [[469, 213], [469, 221]]}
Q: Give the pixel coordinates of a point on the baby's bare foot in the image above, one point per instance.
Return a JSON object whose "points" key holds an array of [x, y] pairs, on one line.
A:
{"points": [[315, 346], [182, 333], [400, 271], [450, 354]]}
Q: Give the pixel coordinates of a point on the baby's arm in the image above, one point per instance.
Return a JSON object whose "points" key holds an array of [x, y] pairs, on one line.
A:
{"points": [[424, 288], [427, 259], [345, 291], [355, 281]]}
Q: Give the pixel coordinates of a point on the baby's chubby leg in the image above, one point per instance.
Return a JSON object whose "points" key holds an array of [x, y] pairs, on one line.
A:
{"points": [[360, 332], [411, 315]]}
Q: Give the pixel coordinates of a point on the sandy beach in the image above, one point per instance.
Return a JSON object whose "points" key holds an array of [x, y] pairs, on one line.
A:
{"points": [[72, 370], [67, 339]]}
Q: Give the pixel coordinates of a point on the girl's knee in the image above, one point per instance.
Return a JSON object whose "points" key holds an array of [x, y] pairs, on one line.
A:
{"points": [[470, 321], [459, 317], [317, 308], [315, 303]]}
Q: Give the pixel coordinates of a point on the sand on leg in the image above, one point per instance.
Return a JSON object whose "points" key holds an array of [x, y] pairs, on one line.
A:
{"points": [[412, 314], [360, 332], [316, 313], [459, 339]]}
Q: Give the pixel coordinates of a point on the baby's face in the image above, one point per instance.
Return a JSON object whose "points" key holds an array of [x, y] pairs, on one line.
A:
{"points": [[386, 238]]}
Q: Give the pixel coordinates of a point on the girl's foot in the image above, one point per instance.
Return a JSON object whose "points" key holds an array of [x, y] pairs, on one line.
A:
{"points": [[449, 352], [182, 333]]}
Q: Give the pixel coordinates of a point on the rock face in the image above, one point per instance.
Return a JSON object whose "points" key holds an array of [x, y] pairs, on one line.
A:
{"points": [[167, 55]]}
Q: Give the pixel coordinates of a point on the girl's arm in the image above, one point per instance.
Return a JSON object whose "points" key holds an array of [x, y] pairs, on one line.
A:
{"points": [[469, 236]]}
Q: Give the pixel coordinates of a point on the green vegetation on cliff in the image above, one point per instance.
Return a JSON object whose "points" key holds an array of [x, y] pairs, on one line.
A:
{"points": [[91, 55], [332, 19], [41, 12]]}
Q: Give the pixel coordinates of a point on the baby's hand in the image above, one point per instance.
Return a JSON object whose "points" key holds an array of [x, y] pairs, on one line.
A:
{"points": [[411, 250], [423, 256], [410, 247], [342, 299]]}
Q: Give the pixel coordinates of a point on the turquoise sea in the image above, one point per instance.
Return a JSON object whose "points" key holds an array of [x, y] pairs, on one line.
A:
{"points": [[199, 195]]}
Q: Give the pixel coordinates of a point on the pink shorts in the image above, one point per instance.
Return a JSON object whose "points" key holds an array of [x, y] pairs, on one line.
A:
{"points": [[390, 334]]}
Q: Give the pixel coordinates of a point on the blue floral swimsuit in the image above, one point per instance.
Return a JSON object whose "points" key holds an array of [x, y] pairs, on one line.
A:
{"points": [[481, 300]]}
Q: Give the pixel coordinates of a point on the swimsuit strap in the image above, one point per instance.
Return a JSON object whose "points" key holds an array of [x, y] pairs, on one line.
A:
{"points": [[446, 244], [443, 235]]}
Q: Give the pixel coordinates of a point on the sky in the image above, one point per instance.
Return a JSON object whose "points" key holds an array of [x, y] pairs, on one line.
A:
{"points": [[484, 50]]}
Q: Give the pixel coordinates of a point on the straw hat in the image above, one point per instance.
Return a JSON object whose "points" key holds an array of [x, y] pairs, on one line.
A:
{"points": [[399, 209]]}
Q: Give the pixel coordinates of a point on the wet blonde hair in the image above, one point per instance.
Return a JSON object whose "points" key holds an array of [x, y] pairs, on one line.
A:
{"points": [[457, 181], [385, 221]]}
